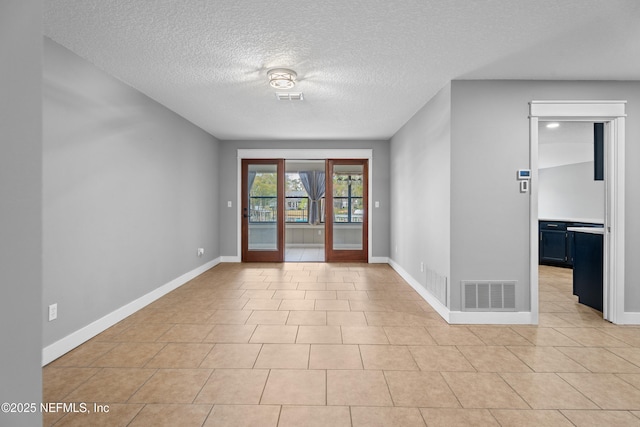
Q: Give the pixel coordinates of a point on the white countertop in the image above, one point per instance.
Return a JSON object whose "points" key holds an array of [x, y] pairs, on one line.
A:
{"points": [[592, 230], [586, 220]]}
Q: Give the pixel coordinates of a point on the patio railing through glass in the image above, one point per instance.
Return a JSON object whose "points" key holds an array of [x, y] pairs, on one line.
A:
{"points": [[263, 209]]}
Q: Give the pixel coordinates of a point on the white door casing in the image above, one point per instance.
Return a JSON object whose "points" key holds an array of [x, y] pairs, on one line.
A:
{"points": [[612, 113]]}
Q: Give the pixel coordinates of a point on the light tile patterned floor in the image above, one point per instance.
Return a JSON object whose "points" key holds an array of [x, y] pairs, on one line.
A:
{"points": [[304, 254], [302, 344]]}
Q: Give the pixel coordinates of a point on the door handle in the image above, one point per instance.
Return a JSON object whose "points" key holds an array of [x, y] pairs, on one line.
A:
{"points": [[245, 216]]}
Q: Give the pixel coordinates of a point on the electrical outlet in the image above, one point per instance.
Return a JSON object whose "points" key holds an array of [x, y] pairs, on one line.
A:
{"points": [[53, 312], [200, 251], [229, 204]]}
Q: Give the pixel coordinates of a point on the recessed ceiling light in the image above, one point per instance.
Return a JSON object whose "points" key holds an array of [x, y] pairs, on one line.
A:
{"points": [[553, 125], [282, 78]]}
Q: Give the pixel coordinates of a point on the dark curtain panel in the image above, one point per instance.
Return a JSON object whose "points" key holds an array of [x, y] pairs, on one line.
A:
{"points": [[313, 183]]}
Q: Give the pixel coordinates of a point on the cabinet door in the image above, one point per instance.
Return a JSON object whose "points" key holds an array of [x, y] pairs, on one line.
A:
{"points": [[553, 245], [598, 151], [570, 250], [588, 269]]}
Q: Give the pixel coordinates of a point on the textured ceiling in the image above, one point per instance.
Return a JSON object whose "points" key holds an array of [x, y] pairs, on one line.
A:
{"points": [[364, 66]]}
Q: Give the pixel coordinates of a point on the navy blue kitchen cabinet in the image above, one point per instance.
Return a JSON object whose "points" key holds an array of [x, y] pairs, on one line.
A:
{"points": [[570, 247], [554, 246], [598, 151], [588, 269]]}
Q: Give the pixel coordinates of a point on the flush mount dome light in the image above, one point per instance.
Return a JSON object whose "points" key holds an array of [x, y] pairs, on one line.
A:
{"points": [[553, 125], [282, 78]]}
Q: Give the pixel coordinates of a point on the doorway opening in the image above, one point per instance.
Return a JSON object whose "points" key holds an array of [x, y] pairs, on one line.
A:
{"points": [[305, 185], [571, 201], [612, 115]]}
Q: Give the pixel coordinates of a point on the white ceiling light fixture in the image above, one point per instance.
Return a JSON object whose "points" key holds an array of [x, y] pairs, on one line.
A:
{"points": [[553, 125], [282, 78]]}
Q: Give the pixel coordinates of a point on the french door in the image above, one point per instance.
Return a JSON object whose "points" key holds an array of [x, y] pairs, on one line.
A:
{"points": [[347, 215], [263, 210]]}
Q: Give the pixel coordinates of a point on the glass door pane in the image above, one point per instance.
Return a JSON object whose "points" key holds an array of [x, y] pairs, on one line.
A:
{"points": [[348, 208], [263, 210], [263, 207]]}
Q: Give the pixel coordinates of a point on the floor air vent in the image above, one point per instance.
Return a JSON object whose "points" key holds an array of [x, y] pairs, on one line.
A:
{"points": [[489, 295]]}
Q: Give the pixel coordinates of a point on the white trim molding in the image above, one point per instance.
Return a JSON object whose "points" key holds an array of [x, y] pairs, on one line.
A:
{"points": [[577, 110], [490, 318], [612, 113], [434, 302], [630, 318], [305, 154], [71, 341], [533, 222], [463, 317]]}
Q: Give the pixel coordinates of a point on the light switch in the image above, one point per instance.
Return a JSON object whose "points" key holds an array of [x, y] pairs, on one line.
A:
{"points": [[377, 204], [524, 186], [229, 204]]}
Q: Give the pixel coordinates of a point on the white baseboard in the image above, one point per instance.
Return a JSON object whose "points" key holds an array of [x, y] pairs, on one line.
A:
{"points": [[466, 317], [372, 260], [71, 341], [440, 308], [491, 318], [630, 318]]}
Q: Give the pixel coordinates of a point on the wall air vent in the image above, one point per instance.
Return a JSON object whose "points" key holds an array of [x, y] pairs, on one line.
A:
{"points": [[289, 96], [489, 295]]}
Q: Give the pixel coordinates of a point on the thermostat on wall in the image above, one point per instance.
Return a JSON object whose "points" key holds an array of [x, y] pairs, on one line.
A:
{"points": [[524, 173]]}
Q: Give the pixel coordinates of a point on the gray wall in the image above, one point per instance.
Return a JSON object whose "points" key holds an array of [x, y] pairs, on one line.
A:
{"points": [[420, 190], [489, 142], [20, 207], [228, 189], [570, 192], [130, 193]]}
